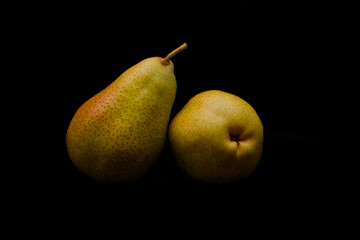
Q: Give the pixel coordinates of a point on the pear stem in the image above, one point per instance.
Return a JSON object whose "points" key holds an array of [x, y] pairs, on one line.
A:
{"points": [[166, 60]]}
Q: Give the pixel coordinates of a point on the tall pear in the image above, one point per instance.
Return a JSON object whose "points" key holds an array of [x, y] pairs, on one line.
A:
{"points": [[119, 133]]}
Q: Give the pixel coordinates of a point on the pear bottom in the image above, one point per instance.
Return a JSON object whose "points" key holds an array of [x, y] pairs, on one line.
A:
{"points": [[216, 138]]}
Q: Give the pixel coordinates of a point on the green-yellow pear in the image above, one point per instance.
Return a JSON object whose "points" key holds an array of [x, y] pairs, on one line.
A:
{"points": [[119, 133], [216, 138]]}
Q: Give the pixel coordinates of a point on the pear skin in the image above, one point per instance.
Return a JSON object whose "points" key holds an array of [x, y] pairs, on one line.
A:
{"points": [[216, 138], [118, 134]]}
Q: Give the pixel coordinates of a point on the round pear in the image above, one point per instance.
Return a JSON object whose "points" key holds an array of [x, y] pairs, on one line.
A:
{"points": [[216, 138]]}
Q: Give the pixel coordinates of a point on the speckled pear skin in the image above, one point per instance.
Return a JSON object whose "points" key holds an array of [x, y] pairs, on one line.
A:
{"points": [[216, 138], [118, 134]]}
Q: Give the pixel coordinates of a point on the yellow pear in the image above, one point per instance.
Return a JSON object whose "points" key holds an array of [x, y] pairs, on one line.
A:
{"points": [[118, 134], [217, 137]]}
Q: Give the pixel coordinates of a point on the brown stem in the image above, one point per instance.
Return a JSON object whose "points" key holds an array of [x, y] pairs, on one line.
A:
{"points": [[166, 60]]}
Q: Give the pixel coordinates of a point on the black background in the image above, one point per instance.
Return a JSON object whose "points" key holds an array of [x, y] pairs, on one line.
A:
{"points": [[279, 56]]}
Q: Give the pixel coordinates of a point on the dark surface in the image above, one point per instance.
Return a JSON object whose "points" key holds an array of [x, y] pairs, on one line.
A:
{"points": [[279, 57]]}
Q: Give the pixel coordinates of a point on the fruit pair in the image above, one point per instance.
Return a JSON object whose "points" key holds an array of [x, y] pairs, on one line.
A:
{"points": [[118, 134]]}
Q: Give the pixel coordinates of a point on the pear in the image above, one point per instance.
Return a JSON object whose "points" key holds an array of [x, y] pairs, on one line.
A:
{"points": [[216, 138], [118, 134]]}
